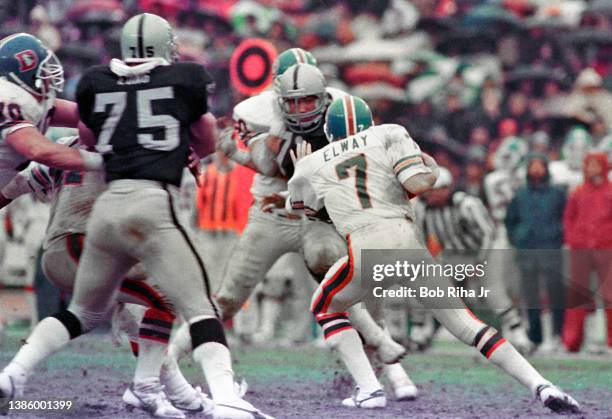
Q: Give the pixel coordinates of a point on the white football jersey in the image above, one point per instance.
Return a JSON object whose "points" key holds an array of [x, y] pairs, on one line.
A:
{"points": [[499, 188], [359, 179], [562, 174], [19, 110], [261, 114]]}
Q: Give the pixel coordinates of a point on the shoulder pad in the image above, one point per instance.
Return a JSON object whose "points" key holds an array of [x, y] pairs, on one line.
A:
{"points": [[21, 105], [256, 113]]}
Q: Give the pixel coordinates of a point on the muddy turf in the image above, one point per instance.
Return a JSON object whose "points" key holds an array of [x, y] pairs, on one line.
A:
{"points": [[306, 382]]}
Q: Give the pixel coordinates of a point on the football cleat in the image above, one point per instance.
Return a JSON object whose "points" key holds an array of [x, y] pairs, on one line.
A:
{"points": [[556, 400], [7, 392], [389, 351], [150, 397], [195, 402], [362, 400], [404, 390], [237, 409]]}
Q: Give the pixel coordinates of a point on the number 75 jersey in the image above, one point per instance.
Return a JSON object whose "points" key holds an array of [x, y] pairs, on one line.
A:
{"points": [[359, 179], [141, 121]]}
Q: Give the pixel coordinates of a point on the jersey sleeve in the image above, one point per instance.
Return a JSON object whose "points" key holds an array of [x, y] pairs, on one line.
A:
{"points": [[20, 110], [404, 152], [198, 87], [302, 194]]}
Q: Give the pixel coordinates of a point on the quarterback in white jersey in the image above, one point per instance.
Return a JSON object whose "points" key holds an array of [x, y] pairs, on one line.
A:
{"points": [[363, 179], [30, 76]]}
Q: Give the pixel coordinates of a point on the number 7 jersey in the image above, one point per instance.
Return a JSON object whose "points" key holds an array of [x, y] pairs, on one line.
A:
{"points": [[359, 179], [141, 121]]}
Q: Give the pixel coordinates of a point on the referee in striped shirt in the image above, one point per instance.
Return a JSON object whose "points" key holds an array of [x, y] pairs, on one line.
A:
{"points": [[454, 222]]}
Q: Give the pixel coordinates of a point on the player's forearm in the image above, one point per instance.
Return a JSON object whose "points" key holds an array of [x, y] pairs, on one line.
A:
{"points": [[32, 145], [66, 114], [262, 160], [420, 183]]}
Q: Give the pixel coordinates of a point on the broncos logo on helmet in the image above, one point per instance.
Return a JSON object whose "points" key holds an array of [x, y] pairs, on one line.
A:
{"points": [[347, 116], [25, 61]]}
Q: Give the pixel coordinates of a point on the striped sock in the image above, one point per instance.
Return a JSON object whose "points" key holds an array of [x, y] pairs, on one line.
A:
{"points": [[340, 335], [154, 335], [501, 353]]}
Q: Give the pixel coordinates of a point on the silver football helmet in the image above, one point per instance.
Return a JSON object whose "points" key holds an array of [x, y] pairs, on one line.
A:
{"points": [[298, 82], [146, 36]]}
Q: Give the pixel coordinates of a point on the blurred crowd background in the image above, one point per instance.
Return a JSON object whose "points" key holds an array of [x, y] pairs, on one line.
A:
{"points": [[460, 75]]}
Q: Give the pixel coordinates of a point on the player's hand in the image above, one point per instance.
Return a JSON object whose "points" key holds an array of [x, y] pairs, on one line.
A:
{"points": [[272, 202], [302, 150], [193, 163]]}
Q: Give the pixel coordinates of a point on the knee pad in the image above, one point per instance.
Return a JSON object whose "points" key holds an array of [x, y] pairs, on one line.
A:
{"points": [[207, 330], [88, 319], [70, 322]]}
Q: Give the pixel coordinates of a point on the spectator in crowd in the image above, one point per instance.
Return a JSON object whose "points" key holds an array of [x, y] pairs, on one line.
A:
{"points": [[588, 234], [534, 221], [43, 29]]}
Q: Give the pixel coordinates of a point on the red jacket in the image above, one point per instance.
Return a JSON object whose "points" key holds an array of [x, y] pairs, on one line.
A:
{"points": [[587, 220]]}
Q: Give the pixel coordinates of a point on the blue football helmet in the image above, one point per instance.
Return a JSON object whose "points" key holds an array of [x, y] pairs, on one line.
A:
{"points": [[25, 61]]}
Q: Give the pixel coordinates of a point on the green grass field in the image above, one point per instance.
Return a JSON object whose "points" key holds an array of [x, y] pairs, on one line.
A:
{"points": [[308, 382]]}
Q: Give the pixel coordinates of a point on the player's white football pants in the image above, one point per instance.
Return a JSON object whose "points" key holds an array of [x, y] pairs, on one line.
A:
{"points": [[136, 220], [266, 238]]}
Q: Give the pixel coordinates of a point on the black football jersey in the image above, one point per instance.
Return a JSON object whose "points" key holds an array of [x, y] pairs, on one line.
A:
{"points": [[142, 123], [316, 139]]}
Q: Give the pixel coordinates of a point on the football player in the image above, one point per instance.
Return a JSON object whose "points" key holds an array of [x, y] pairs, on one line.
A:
{"points": [[273, 124], [363, 179], [499, 187], [72, 195], [30, 77], [143, 112]]}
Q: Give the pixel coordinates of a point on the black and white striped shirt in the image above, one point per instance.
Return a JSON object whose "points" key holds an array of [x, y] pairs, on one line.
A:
{"points": [[464, 224]]}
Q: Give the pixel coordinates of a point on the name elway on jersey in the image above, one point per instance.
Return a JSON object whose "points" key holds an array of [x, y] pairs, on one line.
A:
{"points": [[336, 148]]}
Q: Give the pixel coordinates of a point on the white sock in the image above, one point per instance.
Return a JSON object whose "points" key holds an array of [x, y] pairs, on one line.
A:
{"points": [[149, 360], [48, 336], [395, 373], [175, 384], [365, 324], [270, 311], [216, 363], [349, 346], [180, 344], [510, 360]]}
